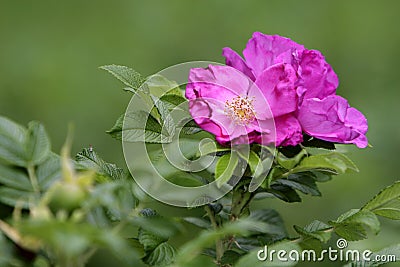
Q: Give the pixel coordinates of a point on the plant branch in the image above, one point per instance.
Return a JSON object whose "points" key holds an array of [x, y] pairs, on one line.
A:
{"points": [[33, 179], [219, 245]]}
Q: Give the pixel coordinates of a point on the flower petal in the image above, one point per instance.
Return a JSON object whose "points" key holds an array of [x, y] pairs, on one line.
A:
{"points": [[317, 77], [234, 60], [219, 82], [262, 50], [277, 85], [332, 119]]}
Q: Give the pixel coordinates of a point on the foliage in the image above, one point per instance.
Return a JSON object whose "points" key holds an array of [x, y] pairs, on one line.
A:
{"points": [[61, 212]]}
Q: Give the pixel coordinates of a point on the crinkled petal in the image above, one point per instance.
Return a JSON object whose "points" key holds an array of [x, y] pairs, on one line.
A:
{"points": [[332, 119], [234, 60], [288, 131], [277, 85], [317, 77], [220, 82], [262, 50]]}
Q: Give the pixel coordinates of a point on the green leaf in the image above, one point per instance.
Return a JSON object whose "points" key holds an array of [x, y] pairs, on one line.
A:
{"points": [[167, 122], [162, 255], [49, 171], [284, 193], [15, 178], [71, 239], [89, 159], [207, 148], [126, 75], [149, 240], [253, 161], [160, 86], [199, 222], [353, 224], [11, 197], [251, 259], [156, 225], [290, 163], [225, 168], [190, 128], [333, 162], [139, 127], [230, 257], [316, 230], [274, 226], [37, 143], [7, 253], [386, 203], [193, 248], [12, 140], [303, 182], [116, 196]]}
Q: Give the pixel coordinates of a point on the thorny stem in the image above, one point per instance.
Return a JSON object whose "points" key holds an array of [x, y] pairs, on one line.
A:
{"points": [[219, 245]]}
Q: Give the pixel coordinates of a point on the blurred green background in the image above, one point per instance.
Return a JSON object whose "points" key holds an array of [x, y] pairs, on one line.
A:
{"points": [[50, 52]]}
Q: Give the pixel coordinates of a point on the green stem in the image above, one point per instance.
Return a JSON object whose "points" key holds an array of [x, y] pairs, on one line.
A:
{"points": [[33, 179], [219, 245], [241, 199]]}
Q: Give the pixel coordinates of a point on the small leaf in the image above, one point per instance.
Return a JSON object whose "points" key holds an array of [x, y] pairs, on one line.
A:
{"points": [[15, 178], [126, 75], [353, 224], [162, 255], [333, 162], [207, 148], [139, 127], [225, 168], [284, 192], [274, 225], [12, 140], [89, 159], [49, 171], [290, 163], [315, 230], [37, 143], [304, 182], [386, 203], [202, 223], [11, 197], [149, 240], [230, 257]]}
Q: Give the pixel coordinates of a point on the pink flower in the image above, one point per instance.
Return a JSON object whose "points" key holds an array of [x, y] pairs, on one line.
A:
{"points": [[226, 103], [314, 79], [332, 119], [293, 85]]}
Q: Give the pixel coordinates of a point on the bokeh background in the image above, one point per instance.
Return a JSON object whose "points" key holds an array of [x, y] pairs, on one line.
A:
{"points": [[50, 52]]}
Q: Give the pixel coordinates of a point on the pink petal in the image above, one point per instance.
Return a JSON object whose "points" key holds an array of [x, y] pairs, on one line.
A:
{"points": [[277, 84], [262, 50], [317, 77], [234, 60], [332, 119]]}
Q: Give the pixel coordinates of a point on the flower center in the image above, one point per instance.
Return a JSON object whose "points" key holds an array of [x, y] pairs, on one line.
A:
{"points": [[240, 110]]}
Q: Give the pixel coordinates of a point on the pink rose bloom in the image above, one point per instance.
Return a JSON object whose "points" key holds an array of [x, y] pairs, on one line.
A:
{"points": [[315, 79], [226, 103], [297, 84]]}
